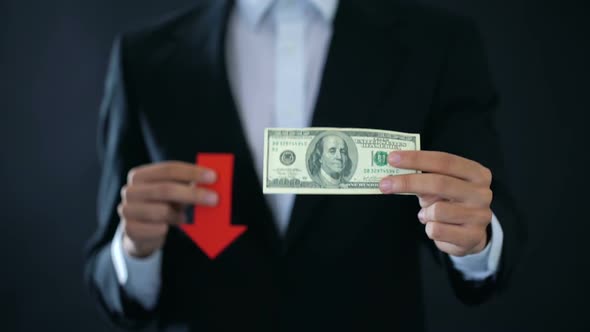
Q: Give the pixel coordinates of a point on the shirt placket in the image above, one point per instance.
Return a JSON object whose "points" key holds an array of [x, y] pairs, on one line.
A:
{"points": [[289, 82]]}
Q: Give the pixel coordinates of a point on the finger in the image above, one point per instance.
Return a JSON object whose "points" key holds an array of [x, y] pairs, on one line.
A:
{"points": [[171, 171], [154, 213], [461, 236], [427, 200], [450, 213], [434, 184], [442, 163], [169, 192], [141, 231], [451, 249]]}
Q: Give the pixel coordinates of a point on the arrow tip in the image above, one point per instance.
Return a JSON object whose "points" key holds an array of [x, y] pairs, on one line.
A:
{"points": [[214, 241]]}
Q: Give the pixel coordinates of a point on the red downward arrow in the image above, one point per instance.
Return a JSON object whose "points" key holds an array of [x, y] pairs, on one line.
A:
{"points": [[212, 230]]}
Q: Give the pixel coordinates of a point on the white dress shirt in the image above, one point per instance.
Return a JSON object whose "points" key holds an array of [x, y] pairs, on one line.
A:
{"points": [[275, 52]]}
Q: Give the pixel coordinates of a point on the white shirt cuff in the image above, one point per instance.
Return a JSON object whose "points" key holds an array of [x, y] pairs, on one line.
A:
{"points": [[485, 263], [139, 277]]}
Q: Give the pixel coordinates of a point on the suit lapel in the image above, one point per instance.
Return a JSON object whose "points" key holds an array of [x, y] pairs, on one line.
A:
{"points": [[216, 126], [359, 75]]}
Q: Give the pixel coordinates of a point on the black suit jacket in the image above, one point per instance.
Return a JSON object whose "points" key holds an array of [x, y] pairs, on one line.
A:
{"points": [[348, 263]]}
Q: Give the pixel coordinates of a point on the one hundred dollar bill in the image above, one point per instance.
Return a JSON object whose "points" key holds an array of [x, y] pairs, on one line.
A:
{"points": [[331, 160]]}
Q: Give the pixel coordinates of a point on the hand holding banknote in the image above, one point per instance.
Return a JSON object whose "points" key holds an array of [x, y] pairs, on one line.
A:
{"points": [[454, 194]]}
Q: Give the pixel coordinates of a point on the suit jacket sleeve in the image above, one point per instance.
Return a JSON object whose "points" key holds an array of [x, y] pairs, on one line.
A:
{"points": [[463, 123], [121, 148]]}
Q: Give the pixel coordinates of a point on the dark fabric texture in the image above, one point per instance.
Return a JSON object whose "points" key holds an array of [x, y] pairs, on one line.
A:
{"points": [[348, 263]]}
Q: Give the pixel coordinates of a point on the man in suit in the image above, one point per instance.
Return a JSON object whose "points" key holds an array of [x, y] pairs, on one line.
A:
{"points": [[210, 80]]}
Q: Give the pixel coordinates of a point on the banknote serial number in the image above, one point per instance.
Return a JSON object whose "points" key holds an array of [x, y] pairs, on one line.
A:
{"points": [[288, 143], [379, 171]]}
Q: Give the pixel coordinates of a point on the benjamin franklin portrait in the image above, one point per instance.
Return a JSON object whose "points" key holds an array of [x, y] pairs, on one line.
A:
{"points": [[330, 163]]}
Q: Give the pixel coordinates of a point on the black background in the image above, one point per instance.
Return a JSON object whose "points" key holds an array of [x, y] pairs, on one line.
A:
{"points": [[53, 57]]}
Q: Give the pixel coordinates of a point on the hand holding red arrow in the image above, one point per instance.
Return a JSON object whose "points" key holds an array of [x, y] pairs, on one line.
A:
{"points": [[212, 230]]}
